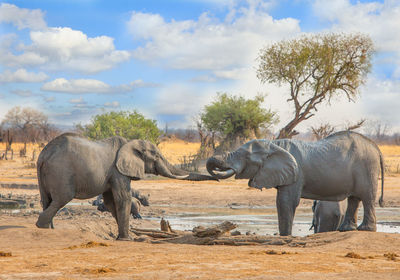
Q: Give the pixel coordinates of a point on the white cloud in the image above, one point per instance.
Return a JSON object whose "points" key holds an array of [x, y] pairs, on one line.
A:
{"points": [[76, 86], [22, 18], [81, 86], [181, 99], [113, 104], [63, 48], [22, 93], [22, 76], [49, 99], [208, 43], [77, 100], [381, 100]]}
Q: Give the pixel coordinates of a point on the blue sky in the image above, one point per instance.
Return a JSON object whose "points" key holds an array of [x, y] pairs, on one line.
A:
{"points": [[167, 59]]}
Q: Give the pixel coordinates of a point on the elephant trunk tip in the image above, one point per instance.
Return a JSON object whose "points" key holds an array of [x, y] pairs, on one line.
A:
{"points": [[218, 169]]}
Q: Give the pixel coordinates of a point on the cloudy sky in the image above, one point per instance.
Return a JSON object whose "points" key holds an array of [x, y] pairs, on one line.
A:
{"points": [[167, 59]]}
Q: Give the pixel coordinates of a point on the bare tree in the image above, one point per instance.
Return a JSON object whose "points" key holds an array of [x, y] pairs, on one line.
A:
{"points": [[207, 141], [29, 122], [322, 131], [354, 126], [316, 68]]}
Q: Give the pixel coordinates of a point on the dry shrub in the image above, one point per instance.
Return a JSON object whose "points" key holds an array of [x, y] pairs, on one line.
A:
{"points": [[100, 270], [5, 254], [353, 255], [391, 256], [273, 252], [90, 244]]}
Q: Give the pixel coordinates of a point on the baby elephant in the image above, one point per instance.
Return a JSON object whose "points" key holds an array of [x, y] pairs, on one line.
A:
{"points": [[328, 215], [137, 201]]}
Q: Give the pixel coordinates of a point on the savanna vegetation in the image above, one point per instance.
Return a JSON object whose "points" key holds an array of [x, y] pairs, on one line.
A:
{"points": [[127, 124]]}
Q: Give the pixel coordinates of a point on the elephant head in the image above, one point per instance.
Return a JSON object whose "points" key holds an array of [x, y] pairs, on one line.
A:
{"points": [[264, 163], [138, 157]]}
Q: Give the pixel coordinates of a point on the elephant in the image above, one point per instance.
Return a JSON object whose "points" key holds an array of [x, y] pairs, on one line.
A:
{"points": [[72, 166], [328, 215], [137, 201], [343, 165]]}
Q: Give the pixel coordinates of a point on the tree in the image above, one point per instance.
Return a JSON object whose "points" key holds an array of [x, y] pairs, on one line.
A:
{"points": [[316, 68], [27, 124], [324, 130], [130, 125], [236, 118]]}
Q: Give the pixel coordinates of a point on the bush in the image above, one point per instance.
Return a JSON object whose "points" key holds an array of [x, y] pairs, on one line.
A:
{"points": [[130, 125]]}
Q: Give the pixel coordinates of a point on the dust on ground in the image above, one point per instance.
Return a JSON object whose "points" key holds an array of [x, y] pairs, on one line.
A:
{"points": [[83, 246]]}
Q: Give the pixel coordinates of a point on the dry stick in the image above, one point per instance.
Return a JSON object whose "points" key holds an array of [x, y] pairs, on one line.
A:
{"points": [[214, 230]]}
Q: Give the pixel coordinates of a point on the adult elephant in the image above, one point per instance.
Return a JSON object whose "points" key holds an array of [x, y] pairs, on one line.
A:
{"points": [[328, 215], [71, 166], [343, 165]]}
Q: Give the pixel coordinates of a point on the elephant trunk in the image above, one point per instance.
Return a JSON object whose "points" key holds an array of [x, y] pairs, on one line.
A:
{"points": [[166, 169], [218, 169]]}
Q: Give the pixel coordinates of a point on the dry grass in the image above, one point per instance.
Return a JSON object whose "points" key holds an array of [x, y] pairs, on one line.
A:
{"points": [[176, 150], [391, 154]]}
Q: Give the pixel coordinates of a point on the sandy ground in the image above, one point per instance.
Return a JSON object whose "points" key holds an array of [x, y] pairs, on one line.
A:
{"points": [[83, 246]]}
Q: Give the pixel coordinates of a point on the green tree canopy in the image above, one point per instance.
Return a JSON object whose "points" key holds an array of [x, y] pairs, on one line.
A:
{"points": [[316, 68], [130, 125], [236, 117]]}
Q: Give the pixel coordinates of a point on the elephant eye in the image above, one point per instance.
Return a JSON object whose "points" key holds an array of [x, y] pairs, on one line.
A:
{"points": [[138, 153]]}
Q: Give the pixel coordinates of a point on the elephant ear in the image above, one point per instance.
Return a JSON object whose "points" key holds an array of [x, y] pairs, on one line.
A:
{"points": [[279, 168], [129, 161]]}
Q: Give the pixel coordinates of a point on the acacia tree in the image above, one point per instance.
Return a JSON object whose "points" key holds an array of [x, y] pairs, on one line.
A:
{"points": [[130, 125], [316, 68], [236, 118]]}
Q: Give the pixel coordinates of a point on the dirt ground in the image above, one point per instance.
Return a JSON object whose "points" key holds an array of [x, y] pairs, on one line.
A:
{"points": [[83, 246]]}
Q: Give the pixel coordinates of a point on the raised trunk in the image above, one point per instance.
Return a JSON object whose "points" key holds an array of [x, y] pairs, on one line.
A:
{"points": [[218, 169]]}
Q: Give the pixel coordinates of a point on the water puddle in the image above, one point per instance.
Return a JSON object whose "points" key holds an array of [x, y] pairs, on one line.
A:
{"points": [[263, 220]]}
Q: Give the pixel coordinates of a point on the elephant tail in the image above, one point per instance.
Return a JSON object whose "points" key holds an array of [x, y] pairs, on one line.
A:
{"points": [[381, 202]]}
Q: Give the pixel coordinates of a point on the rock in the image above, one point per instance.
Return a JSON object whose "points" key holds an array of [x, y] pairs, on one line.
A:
{"points": [[12, 203], [235, 233]]}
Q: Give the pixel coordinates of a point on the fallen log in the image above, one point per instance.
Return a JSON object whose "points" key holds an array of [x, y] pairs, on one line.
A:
{"points": [[153, 233], [213, 231]]}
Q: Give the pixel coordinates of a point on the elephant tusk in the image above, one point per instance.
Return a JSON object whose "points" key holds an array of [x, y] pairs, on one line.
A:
{"points": [[183, 177], [224, 174]]}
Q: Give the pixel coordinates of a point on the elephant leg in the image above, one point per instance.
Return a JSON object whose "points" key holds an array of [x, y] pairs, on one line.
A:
{"points": [[122, 201], [368, 201], [108, 200], [59, 198], [287, 199], [46, 217], [350, 219], [369, 220]]}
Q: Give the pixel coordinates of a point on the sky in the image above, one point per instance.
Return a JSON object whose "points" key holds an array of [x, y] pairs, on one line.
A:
{"points": [[168, 59]]}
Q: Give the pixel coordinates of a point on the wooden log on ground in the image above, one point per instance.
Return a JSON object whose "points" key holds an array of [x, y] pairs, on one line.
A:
{"points": [[213, 231]]}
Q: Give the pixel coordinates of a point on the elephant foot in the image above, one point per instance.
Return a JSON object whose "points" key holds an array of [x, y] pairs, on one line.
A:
{"points": [[348, 227], [366, 227], [42, 225], [119, 238]]}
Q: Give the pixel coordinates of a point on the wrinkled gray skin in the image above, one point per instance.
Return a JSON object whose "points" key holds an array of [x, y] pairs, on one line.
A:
{"points": [[343, 165], [328, 215], [135, 206], [137, 201], [71, 166]]}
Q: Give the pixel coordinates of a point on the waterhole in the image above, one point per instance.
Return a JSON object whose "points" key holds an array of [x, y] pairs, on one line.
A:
{"points": [[260, 220]]}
